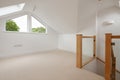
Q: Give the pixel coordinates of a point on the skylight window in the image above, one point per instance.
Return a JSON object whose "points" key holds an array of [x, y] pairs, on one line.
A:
{"points": [[18, 24], [25, 23], [11, 9], [22, 23], [37, 26]]}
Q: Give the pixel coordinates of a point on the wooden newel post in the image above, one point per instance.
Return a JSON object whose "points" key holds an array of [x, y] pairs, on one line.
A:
{"points": [[79, 51], [108, 56]]}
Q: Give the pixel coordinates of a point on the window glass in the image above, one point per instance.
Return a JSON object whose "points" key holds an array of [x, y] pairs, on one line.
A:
{"points": [[18, 24], [25, 23], [37, 26]]}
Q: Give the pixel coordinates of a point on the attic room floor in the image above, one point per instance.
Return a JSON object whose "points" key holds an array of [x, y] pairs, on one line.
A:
{"points": [[53, 65]]}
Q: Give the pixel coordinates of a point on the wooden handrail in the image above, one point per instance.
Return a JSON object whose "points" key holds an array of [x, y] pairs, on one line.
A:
{"points": [[87, 36], [110, 60], [115, 37], [79, 38]]}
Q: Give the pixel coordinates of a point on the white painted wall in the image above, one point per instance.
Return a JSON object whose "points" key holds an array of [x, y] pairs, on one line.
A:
{"points": [[15, 44], [67, 42], [112, 13], [86, 25]]}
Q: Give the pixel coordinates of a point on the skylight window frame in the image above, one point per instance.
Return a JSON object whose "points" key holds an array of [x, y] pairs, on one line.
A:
{"points": [[29, 24], [11, 9]]}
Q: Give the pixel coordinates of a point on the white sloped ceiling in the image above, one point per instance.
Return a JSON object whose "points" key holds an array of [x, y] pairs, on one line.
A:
{"points": [[64, 16], [61, 15], [67, 16]]}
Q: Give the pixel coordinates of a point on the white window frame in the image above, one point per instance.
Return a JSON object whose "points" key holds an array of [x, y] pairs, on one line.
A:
{"points": [[29, 24], [11, 9]]}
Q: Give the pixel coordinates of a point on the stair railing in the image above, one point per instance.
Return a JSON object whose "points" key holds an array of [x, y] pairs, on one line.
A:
{"points": [[113, 65], [110, 60], [79, 53]]}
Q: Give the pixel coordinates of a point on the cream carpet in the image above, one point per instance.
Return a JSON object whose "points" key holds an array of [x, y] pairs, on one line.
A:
{"points": [[53, 65]]}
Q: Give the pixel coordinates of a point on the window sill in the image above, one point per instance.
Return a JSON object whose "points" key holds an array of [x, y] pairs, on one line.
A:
{"points": [[24, 32]]}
